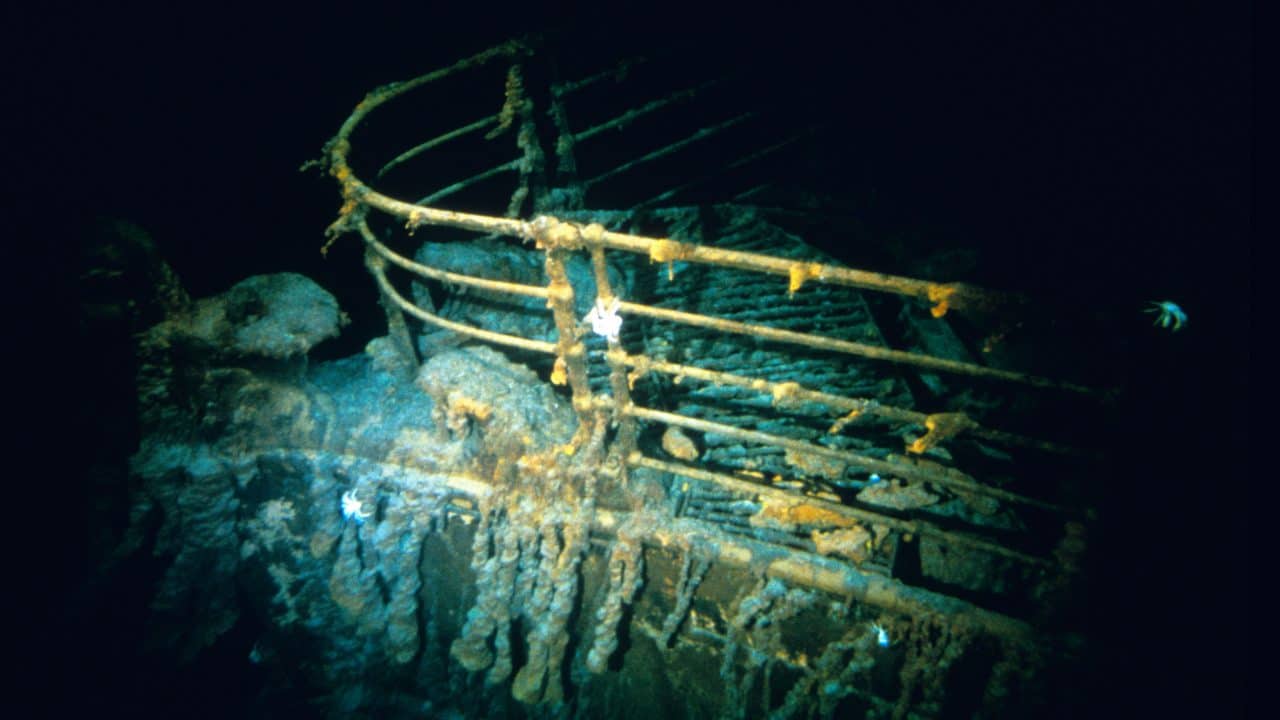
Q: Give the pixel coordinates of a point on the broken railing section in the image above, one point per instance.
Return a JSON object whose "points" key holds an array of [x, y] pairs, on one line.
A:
{"points": [[504, 507], [696, 563], [624, 574], [527, 554], [516, 112], [538, 515], [357, 197], [557, 239], [530, 165], [551, 233], [724, 105], [775, 508], [535, 521]]}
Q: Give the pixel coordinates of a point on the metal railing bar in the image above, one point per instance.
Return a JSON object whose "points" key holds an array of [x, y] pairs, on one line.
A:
{"points": [[848, 347], [801, 568], [736, 164], [665, 249], [427, 271], [487, 335], [668, 250], [793, 392], [917, 527], [381, 95], [468, 182], [438, 140], [818, 572], [697, 136], [945, 477], [621, 68], [628, 116]]}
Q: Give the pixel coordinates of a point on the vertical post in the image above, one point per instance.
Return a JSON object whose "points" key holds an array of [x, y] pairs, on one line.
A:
{"points": [[570, 351], [625, 441], [397, 328]]}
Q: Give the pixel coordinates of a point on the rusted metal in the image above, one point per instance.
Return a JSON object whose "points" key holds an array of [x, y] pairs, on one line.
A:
{"points": [[465, 183], [771, 539], [625, 441], [444, 276], [945, 477], [630, 116], [871, 352], [681, 144], [441, 139], [852, 407], [571, 354], [662, 250], [389, 292], [741, 162], [802, 569], [913, 527], [821, 573]]}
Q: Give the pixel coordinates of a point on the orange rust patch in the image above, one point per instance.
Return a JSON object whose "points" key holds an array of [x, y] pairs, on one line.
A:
{"points": [[792, 514], [799, 273], [816, 465], [559, 372], [853, 543], [678, 445], [941, 296]]}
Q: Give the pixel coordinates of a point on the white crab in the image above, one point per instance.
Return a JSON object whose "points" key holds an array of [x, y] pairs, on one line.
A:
{"points": [[882, 635], [352, 508], [1171, 316], [604, 319]]}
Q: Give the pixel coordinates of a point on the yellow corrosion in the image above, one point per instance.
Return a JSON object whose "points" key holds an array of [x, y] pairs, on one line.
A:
{"points": [[593, 234], [784, 394], [640, 366], [801, 272], [941, 427], [536, 463], [463, 405], [940, 296], [556, 234], [840, 424], [790, 513], [667, 251], [678, 445], [816, 465], [559, 374], [415, 220], [852, 543]]}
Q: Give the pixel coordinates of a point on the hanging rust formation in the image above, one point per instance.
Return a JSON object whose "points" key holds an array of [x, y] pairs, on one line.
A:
{"points": [[782, 435]]}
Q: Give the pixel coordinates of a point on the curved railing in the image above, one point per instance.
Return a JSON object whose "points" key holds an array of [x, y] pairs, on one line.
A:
{"points": [[559, 239]]}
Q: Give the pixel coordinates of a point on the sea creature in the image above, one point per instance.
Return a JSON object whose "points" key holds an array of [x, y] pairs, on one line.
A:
{"points": [[1170, 315], [604, 319], [352, 508], [882, 635]]}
